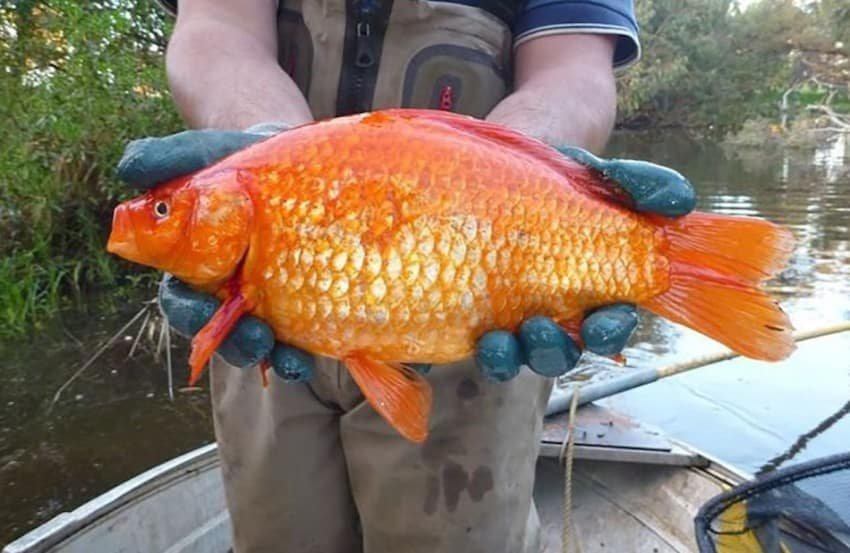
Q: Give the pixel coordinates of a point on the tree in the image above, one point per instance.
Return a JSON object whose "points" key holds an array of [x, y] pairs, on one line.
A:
{"points": [[709, 66]]}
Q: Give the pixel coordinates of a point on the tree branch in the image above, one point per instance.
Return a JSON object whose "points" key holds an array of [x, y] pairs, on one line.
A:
{"points": [[841, 122]]}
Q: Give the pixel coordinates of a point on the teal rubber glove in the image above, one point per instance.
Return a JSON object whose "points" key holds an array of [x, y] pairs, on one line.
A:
{"points": [[148, 162], [152, 161], [543, 345], [654, 188]]}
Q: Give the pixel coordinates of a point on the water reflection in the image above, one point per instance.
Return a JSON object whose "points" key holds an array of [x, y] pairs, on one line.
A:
{"points": [[733, 205], [830, 156]]}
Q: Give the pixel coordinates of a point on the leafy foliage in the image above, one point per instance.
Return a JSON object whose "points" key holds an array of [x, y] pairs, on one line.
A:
{"points": [[711, 67], [77, 81]]}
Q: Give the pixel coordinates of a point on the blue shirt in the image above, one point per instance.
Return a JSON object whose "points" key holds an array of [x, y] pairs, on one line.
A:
{"points": [[536, 18]]}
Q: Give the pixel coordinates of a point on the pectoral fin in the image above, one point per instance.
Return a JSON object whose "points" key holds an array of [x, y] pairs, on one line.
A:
{"points": [[399, 394], [207, 340]]}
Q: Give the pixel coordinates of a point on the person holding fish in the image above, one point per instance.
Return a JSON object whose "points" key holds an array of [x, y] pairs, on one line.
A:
{"points": [[310, 463]]}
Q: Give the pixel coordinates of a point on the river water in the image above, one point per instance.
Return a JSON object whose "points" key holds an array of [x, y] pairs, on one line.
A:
{"points": [[117, 420]]}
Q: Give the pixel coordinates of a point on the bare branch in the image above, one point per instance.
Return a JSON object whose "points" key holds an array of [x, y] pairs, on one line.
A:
{"points": [[842, 122]]}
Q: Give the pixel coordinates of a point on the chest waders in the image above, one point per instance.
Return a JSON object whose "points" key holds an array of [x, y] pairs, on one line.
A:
{"points": [[350, 56]]}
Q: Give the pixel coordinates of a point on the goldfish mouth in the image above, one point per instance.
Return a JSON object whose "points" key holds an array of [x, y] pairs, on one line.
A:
{"points": [[122, 239]]}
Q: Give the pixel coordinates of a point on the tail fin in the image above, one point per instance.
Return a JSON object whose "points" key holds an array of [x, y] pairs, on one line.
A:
{"points": [[716, 265]]}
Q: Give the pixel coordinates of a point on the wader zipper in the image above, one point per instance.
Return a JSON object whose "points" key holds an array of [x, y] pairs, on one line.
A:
{"points": [[364, 35], [365, 54]]}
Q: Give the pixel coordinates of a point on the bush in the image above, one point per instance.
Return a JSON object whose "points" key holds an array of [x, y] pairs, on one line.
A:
{"points": [[79, 80]]}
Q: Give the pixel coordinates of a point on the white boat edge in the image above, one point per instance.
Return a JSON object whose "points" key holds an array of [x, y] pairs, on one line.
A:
{"points": [[66, 524]]}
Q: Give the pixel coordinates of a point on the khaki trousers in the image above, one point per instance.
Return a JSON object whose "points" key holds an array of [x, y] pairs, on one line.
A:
{"points": [[311, 468]]}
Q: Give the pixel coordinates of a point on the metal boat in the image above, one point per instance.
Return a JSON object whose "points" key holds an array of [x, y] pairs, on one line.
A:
{"points": [[632, 489]]}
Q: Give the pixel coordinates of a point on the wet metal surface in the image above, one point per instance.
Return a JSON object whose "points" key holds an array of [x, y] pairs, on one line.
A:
{"points": [[117, 420], [596, 426]]}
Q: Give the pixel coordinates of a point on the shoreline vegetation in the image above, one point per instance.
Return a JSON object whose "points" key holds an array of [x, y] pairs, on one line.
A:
{"points": [[80, 80]]}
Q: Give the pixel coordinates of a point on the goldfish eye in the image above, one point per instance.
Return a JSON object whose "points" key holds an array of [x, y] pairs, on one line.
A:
{"points": [[160, 208]]}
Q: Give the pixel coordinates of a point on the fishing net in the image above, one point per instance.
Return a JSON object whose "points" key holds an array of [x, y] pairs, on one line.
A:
{"points": [[804, 508]]}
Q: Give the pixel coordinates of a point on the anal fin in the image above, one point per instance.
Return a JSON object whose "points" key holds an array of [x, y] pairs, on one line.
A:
{"points": [[573, 329], [399, 394]]}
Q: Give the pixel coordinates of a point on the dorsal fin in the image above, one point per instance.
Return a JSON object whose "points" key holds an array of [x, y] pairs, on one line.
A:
{"points": [[582, 179]]}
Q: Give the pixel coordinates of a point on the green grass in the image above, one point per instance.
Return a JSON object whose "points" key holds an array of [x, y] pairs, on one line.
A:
{"points": [[32, 291], [34, 287]]}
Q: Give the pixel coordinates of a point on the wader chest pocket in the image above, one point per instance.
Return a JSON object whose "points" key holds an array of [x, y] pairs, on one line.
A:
{"points": [[454, 78]]}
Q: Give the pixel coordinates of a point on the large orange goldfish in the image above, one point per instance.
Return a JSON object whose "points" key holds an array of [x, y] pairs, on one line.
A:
{"points": [[404, 235]]}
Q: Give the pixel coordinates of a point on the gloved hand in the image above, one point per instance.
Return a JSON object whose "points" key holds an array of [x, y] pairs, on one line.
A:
{"points": [[152, 161], [543, 345]]}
